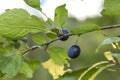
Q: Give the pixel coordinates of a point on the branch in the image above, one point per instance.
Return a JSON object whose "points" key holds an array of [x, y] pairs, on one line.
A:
{"points": [[45, 44], [48, 43], [110, 27]]}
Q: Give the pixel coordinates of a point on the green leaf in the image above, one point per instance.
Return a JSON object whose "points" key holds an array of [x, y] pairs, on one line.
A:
{"points": [[116, 57], [55, 30], [10, 65], [112, 8], [34, 3], [26, 70], [51, 35], [17, 23], [61, 15], [109, 41], [34, 64], [38, 39], [58, 55], [49, 23], [85, 28], [4, 50], [74, 75]]}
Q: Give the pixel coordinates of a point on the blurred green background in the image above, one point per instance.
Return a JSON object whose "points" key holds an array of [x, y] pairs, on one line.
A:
{"points": [[88, 43]]}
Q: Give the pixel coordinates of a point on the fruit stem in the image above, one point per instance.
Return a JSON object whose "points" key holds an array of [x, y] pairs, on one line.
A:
{"points": [[77, 39]]}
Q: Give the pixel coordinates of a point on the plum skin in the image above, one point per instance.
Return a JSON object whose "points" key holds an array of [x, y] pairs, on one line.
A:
{"points": [[74, 51], [64, 32]]}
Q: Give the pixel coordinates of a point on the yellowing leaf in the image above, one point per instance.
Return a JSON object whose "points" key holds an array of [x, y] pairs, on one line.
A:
{"points": [[109, 57], [116, 45], [54, 69], [108, 40]]}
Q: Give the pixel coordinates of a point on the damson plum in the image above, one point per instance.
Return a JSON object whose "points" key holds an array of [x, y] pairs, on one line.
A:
{"points": [[63, 33], [74, 51]]}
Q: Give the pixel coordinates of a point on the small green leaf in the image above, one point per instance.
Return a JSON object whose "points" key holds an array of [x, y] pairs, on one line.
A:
{"points": [[49, 23], [51, 35], [111, 8], [109, 41], [116, 57], [17, 23], [34, 3], [58, 55], [26, 70], [55, 30], [61, 15], [38, 39], [85, 28], [10, 65], [34, 64]]}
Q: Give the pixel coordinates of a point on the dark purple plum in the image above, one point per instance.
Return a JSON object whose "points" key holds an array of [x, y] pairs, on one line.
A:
{"points": [[62, 33], [74, 51]]}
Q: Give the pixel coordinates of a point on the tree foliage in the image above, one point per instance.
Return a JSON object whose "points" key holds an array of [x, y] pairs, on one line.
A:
{"points": [[17, 27]]}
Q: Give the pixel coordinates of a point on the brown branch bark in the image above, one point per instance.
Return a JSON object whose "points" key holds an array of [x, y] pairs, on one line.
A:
{"points": [[110, 27]]}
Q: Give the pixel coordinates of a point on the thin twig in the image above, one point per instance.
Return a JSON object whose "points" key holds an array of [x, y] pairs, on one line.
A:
{"points": [[110, 27], [30, 49], [48, 43]]}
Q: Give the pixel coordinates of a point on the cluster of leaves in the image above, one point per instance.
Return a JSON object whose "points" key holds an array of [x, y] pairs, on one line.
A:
{"points": [[17, 24]]}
